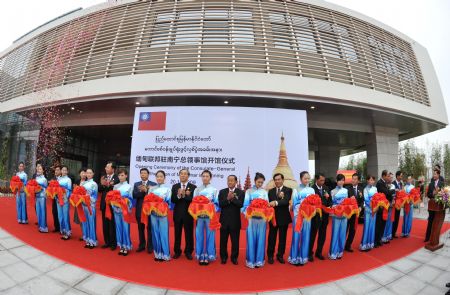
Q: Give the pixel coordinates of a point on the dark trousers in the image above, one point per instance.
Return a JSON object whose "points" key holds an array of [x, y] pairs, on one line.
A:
{"points": [[351, 230], [109, 229], [379, 226], [273, 239], [226, 232], [322, 233], [429, 224], [315, 224], [188, 225], [55, 214], [395, 224], [141, 230]]}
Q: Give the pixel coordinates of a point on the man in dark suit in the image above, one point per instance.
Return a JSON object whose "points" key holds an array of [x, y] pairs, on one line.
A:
{"points": [[435, 185], [382, 187], [321, 224], [398, 183], [140, 190], [107, 183], [231, 200], [354, 190], [57, 174], [182, 193], [279, 198]]}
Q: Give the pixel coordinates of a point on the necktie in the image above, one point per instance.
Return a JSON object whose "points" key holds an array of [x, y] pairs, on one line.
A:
{"points": [[321, 192], [183, 186], [278, 191], [356, 190]]}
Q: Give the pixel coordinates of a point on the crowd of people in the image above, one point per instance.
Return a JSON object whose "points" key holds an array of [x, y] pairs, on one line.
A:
{"points": [[308, 234]]}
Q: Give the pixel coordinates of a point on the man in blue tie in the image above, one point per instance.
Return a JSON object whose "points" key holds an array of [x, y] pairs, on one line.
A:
{"points": [[140, 190], [398, 183]]}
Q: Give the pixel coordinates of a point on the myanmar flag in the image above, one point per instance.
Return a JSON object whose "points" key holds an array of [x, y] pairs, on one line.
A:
{"points": [[152, 121]]}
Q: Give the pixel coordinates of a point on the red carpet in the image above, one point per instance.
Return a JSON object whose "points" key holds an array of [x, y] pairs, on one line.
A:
{"points": [[186, 275]]}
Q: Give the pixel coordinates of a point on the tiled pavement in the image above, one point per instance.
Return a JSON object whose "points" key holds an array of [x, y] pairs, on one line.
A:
{"points": [[25, 270]]}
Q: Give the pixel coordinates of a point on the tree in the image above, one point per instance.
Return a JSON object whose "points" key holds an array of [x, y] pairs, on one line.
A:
{"points": [[412, 160], [446, 162], [436, 154]]}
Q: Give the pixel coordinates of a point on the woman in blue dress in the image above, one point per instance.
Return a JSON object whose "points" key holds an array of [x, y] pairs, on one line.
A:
{"points": [[122, 227], [339, 224], [160, 224], [21, 199], [408, 217], [41, 200], [63, 211], [368, 237], [300, 240], [205, 248], [76, 218], [387, 234], [256, 230], [89, 227]]}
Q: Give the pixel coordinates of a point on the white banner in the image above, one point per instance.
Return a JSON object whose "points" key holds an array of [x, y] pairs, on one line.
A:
{"points": [[224, 140]]}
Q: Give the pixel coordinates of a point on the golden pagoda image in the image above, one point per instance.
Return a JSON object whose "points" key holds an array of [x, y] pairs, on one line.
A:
{"points": [[283, 168]]}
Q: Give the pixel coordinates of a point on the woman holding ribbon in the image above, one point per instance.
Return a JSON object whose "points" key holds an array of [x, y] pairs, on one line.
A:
{"points": [[387, 234], [300, 240], [205, 248], [63, 207], [408, 209], [41, 205], [159, 220], [339, 223], [368, 237], [122, 208], [256, 230], [89, 226], [18, 189]]}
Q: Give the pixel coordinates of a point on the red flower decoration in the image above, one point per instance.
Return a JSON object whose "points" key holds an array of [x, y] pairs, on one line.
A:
{"points": [[153, 203], [15, 184], [201, 205]]}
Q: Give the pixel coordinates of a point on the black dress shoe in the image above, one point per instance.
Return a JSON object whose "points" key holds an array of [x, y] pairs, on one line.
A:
{"points": [[105, 246], [349, 250], [140, 249], [113, 248], [188, 256], [55, 230], [310, 259], [234, 261], [176, 255], [395, 237], [280, 260], [270, 260], [150, 251], [223, 261], [320, 257], [447, 285]]}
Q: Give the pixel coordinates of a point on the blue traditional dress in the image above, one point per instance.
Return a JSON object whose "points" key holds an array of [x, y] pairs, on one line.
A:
{"points": [[387, 235], [160, 224], [21, 199], [256, 230], [122, 227], [300, 240], [63, 211], [339, 225], [89, 226], [205, 249], [407, 218], [368, 238], [41, 204]]}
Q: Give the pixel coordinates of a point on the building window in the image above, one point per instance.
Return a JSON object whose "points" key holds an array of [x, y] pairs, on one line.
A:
{"points": [[161, 29], [281, 32]]}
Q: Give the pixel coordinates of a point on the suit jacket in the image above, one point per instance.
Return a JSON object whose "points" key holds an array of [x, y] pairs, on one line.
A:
{"points": [[139, 196], [230, 211], [180, 210], [105, 189], [432, 186], [397, 185], [360, 195], [282, 213], [327, 202], [382, 187]]}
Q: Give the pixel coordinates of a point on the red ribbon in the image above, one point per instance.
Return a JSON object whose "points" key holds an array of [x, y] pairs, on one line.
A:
{"points": [[114, 198], [347, 208], [379, 201], [54, 190], [32, 188], [201, 205], [78, 197], [153, 203], [15, 184], [310, 206], [414, 198], [260, 208]]}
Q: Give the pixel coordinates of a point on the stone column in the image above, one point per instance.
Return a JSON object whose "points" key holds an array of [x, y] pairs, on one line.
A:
{"points": [[327, 161], [382, 150]]}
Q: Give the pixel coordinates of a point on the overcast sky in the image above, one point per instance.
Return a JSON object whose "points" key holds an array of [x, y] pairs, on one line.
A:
{"points": [[427, 22]]}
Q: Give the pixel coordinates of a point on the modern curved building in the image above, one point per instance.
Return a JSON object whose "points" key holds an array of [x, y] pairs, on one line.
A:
{"points": [[365, 86]]}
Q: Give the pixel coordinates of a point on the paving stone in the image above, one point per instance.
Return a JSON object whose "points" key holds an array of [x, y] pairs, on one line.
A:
{"points": [[98, 284]]}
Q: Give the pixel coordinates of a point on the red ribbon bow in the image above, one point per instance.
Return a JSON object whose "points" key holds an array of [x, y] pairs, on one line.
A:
{"points": [[32, 188], [201, 205], [379, 201], [15, 184], [153, 203], [309, 207], [79, 196], [114, 198], [55, 190], [261, 208], [347, 208]]}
